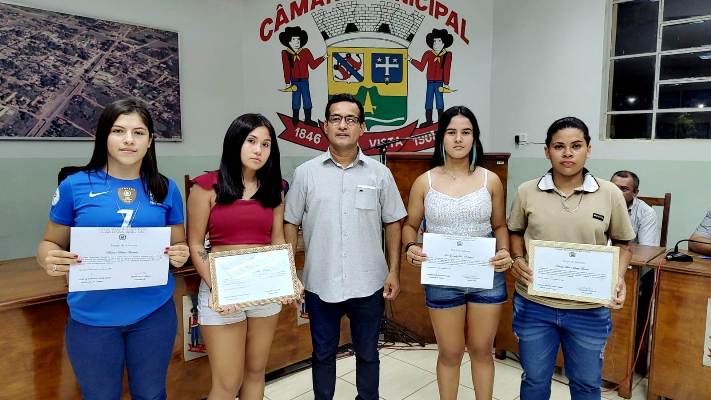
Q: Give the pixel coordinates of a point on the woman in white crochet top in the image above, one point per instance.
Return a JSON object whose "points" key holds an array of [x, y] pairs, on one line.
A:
{"points": [[460, 197]]}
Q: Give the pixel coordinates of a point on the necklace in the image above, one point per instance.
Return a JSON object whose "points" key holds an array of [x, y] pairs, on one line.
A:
{"points": [[125, 196], [565, 206], [451, 175]]}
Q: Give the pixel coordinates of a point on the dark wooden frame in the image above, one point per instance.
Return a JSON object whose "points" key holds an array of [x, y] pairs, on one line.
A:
{"points": [[665, 203]]}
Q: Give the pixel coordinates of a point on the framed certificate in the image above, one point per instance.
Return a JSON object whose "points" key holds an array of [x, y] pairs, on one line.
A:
{"points": [[254, 276], [572, 271]]}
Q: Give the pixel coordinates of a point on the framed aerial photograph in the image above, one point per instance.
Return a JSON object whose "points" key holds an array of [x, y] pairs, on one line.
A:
{"points": [[58, 71]]}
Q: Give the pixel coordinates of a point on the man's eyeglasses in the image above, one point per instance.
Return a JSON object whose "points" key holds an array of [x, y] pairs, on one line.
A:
{"points": [[336, 120]]}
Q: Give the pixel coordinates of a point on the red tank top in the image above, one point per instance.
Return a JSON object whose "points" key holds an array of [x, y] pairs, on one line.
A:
{"points": [[241, 222]]}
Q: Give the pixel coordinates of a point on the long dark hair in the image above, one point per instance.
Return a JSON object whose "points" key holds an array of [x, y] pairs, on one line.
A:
{"points": [[154, 183], [476, 155], [229, 185]]}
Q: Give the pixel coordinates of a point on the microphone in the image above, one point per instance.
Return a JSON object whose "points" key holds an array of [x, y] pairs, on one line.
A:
{"points": [[676, 255]]}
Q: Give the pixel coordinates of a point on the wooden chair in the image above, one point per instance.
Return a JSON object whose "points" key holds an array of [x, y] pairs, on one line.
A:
{"points": [[664, 202]]}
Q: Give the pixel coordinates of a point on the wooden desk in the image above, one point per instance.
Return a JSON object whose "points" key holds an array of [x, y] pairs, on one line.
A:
{"points": [[409, 309], [676, 370], [34, 313], [619, 352]]}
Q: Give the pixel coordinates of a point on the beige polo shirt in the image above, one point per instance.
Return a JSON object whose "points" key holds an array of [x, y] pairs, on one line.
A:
{"points": [[593, 213]]}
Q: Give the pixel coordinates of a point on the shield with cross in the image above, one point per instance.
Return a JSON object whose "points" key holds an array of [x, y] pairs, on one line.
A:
{"points": [[376, 76]]}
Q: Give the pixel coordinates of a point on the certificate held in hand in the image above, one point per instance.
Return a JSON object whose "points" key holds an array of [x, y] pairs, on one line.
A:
{"points": [[254, 276], [458, 261], [571, 271], [118, 258]]}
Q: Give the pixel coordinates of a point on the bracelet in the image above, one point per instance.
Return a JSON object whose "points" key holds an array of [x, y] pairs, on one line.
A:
{"points": [[514, 258], [410, 244]]}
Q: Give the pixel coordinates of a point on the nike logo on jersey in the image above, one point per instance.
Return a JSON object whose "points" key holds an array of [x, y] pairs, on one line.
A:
{"points": [[92, 194]]}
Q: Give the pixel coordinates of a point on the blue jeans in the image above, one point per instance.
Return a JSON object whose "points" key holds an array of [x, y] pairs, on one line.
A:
{"points": [[365, 314], [438, 296], [541, 330], [302, 91], [98, 355], [433, 93]]}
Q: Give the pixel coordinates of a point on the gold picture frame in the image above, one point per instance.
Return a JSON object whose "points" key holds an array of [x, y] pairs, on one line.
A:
{"points": [[215, 291], [572, 248]]}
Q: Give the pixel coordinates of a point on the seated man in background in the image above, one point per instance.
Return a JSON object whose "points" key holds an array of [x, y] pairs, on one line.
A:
{"points": [[646, 229], [642, 216], [702, 234]]}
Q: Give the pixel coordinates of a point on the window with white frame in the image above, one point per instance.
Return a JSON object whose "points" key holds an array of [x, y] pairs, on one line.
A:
{"points": [[659, 70]]}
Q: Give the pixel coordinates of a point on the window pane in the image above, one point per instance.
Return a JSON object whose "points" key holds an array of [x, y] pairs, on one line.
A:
{"points": [[632, 84], [677, 9], [695, 125], [636, 27], [685, 95], [630, 126], [683, 36], [678, 66]]}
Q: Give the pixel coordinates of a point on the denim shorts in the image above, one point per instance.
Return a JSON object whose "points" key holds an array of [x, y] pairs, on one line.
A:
{"points": [[208, 316], [437, 296]]}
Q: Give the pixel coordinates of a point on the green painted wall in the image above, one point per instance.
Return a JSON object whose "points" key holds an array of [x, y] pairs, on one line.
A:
{"points": [[27, 185]]}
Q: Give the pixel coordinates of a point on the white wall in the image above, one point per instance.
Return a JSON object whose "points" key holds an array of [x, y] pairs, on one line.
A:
{"points": [[548, 62], [227, 70], [471, 65]]}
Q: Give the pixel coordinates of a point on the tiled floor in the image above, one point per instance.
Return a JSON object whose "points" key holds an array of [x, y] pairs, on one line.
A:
{"points": [[410, 374]]}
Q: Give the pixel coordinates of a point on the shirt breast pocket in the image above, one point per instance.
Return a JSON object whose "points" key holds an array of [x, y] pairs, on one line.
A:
{"points": [[366, 197]]}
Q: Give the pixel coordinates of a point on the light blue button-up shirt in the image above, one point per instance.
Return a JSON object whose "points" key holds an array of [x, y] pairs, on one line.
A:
{"points": [[341, 210]]}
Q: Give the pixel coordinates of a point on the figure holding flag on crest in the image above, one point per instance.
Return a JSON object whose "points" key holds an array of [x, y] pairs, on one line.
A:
{"points": [[438, 62], [296, 61]]}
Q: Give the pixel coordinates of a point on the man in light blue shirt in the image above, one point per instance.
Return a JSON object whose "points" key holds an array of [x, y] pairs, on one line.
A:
{"points": [[342, 199], [702, 234], [642, 216]]}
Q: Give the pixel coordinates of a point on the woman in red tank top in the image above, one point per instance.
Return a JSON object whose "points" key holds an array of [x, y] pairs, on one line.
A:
{"points": [[239, 206]]}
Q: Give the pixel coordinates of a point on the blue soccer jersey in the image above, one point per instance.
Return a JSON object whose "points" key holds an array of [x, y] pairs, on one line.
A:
{"points": [[95, 199]]}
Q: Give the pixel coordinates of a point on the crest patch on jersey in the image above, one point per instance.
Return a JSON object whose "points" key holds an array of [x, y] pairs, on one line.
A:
{"points": [[127, 194]]}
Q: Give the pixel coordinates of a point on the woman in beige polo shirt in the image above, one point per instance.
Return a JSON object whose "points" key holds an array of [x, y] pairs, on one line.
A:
{"points": [[567, 204]]}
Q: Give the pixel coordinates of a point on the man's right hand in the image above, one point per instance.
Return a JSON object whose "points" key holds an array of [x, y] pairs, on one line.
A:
{"points": [[521, 271]]}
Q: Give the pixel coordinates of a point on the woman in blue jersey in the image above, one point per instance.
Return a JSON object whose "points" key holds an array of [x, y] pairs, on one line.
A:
{"points": [[109, 330]]}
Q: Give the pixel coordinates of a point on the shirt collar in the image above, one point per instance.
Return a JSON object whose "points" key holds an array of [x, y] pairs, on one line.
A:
{"points": [[360, 158], [590, 185], [635, 203]]}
